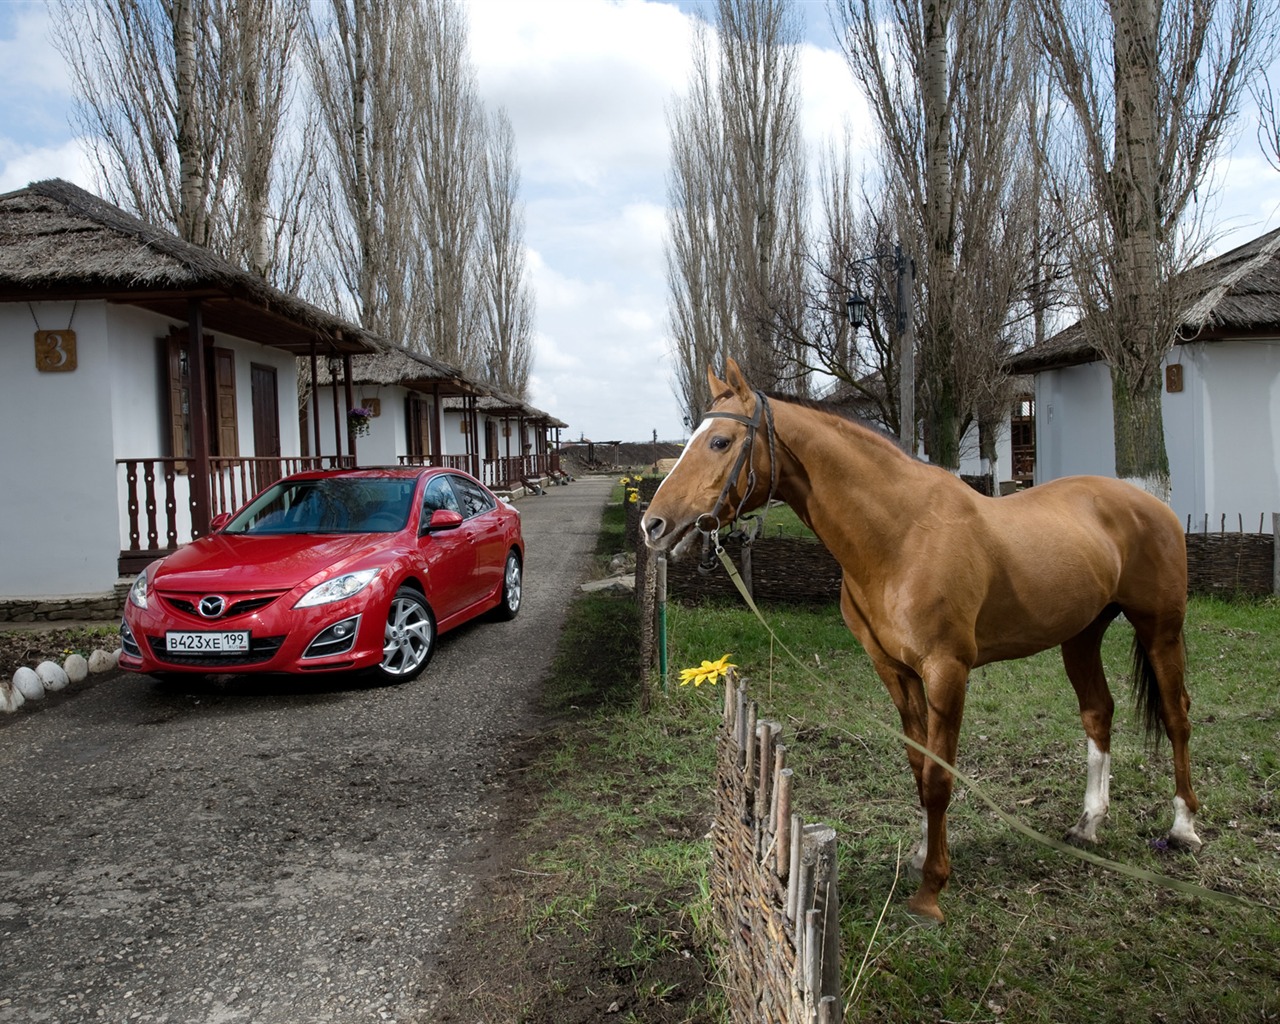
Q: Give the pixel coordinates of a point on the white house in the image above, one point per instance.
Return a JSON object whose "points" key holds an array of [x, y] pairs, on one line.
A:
{"points": [[1221, 398], [424, 410], [122, 439]]}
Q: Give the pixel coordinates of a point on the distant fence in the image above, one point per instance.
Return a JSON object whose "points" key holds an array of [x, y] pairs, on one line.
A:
{"points": [[773, 881]]}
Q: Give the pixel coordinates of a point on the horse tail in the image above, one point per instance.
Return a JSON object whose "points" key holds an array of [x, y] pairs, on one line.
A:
{"points": [[1147, 699]]}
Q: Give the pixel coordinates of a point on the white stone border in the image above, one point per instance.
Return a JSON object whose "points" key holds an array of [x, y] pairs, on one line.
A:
{"points": [[32, 684]]}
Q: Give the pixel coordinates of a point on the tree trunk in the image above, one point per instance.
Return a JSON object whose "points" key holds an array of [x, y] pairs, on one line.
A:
{"points": [[1141, 457], [190, 196]]}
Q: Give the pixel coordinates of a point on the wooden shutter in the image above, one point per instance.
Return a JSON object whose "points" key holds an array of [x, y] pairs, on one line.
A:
{"points": [[222, 383]]}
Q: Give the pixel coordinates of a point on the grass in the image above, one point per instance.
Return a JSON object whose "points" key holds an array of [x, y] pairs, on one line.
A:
{"points": [[1033, 935], [618, 856]]}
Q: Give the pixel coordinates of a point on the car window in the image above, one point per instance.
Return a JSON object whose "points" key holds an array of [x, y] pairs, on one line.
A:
{"points": [[439, 495], [475, 499], [329, 505]]}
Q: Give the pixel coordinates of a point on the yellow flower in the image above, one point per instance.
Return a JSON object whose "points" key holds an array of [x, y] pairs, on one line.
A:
{"points": [[707, 672], [625, 480], [633, 496]]}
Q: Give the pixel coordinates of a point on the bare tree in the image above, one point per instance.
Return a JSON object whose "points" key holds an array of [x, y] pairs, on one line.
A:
{"points": [[947, 94], [698, 259], [735, 258], [448, 143], [1150, 90], [765, 180], [360, 57], [186, 103], [506, 297]]}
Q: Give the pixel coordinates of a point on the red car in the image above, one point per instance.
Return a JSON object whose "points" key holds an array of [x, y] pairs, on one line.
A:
{"points": [[329, 571]]}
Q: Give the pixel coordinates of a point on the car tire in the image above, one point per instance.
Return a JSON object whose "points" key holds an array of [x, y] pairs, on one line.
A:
{"points": [[409, 637], [512, 587]]}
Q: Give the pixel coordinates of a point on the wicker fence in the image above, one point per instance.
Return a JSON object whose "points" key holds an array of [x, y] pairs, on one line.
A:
{"points": [[773, 881]]}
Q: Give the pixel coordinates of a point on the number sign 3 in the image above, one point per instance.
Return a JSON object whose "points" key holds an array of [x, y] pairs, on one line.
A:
{"points": [[55, 351]]}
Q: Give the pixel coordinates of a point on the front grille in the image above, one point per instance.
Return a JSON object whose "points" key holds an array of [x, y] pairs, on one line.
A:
{"points": [[261, 648], [237, 606]]}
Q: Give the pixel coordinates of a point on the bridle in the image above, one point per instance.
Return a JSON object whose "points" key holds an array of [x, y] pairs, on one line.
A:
{"points": [[708, 524]]}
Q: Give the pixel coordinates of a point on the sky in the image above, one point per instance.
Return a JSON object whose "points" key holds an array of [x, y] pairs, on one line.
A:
{"points": [[587, 85]]}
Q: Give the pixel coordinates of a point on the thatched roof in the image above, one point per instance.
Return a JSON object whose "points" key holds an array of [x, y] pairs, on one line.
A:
{"points": [[394, 365], [59, 242], [1236, 295]]}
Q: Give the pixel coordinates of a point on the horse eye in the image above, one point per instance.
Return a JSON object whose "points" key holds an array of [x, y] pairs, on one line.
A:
{"points": [[719, 444]]}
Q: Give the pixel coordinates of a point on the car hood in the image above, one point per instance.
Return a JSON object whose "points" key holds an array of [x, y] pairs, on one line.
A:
{"points": [[277, 562]]}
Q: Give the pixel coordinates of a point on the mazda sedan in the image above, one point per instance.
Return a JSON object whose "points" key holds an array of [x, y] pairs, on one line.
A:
{"points": [[349, 570]]}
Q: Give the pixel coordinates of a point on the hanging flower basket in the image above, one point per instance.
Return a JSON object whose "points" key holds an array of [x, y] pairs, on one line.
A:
{"points": [[358, 420]]}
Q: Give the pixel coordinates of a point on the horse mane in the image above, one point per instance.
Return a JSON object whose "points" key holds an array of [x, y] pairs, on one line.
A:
{"points": [[841, 412]]}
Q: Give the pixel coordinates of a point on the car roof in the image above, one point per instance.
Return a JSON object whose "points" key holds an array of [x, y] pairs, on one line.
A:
{"points": [[367, 472]]}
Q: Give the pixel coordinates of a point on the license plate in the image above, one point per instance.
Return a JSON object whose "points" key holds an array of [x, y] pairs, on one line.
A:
{"points": [[229, 642]]}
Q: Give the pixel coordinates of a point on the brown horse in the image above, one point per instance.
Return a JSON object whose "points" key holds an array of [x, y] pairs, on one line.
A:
{"points": [[939, 579]]}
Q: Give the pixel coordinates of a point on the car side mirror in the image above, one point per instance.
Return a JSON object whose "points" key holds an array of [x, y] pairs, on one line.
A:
{"points": [[443, 519], [219, 521]]}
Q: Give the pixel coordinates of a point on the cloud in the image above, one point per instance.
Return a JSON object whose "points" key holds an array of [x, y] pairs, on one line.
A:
{"points": [[21, 165]]}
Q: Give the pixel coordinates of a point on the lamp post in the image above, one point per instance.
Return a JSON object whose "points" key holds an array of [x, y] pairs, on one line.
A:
{"points": [[856, 309]]}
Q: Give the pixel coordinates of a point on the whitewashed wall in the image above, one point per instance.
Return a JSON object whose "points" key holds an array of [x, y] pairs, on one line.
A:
{"points": [[58, 521], [971, 454], [1222, 431], [63, 511]]}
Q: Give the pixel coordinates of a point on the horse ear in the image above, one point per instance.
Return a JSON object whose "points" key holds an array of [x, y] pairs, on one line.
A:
{"points": [[737, 382], [719, 389]]}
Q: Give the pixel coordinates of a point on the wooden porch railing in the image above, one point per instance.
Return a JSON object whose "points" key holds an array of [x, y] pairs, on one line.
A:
{"points": [[157, 497], [496, 474]]}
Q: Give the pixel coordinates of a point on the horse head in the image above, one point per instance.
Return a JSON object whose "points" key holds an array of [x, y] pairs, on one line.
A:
{"points": [[723, 471]]}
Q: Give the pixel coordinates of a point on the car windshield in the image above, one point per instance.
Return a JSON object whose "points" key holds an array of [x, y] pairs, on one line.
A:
{"points": [[329, 505]]}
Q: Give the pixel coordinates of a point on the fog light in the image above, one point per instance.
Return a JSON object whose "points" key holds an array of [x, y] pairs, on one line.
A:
{"points": [[337, 639]]}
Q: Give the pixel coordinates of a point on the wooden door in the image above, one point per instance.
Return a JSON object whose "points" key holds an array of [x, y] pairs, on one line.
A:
{"points": [[266, 424]]}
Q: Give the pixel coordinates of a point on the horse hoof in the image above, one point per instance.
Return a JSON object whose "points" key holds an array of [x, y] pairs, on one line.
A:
{"points": [[1185, 843], [1080, 839], [925, 911]]}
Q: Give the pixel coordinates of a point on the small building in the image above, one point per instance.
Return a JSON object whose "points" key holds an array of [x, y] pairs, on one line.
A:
{"points": [[1221, 399], [424, 411], [145, 385]]}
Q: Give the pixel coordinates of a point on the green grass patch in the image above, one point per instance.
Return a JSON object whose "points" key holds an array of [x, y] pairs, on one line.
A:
{"points": [[1033, 935]]}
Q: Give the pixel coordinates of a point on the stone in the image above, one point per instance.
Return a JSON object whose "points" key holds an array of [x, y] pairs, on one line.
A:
{"points": [[101, 661], [52, 675], [76, 668], [27, 683], [10, 698]]}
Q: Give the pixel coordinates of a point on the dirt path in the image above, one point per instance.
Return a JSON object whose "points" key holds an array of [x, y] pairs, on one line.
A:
{"points": [[216, 854]]}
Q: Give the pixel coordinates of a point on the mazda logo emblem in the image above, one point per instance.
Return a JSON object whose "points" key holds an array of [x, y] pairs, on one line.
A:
{"points": [[211, 606]]}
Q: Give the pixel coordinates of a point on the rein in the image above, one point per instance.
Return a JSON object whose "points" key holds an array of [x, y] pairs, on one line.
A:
{"points": [[708, 524]]}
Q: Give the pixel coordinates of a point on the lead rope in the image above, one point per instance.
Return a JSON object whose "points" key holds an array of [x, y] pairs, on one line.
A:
{"points": [[1188, 888]]}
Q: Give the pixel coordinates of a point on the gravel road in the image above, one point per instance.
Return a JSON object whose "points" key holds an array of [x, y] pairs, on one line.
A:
{"points": [[289, 854]]}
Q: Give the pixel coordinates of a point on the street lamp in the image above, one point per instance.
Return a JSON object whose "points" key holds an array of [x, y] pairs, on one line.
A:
{"points": [[856, 308]]}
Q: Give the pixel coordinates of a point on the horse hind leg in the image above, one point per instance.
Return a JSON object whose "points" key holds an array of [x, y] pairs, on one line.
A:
{"points": [[1159, 680], [1082, 658]]}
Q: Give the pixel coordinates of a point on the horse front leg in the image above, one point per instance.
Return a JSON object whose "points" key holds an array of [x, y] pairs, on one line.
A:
{"points": [[907, 694], [944, 684]]}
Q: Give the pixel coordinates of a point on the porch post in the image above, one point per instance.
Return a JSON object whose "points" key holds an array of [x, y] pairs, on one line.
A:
{"points": [[346, 390], [315, 399], [477, 455], [437, 429], [337, 417], [198, 479]]}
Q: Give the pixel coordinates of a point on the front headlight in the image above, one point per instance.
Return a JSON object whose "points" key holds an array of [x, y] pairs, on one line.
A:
{"points": [[337, 589], [138, 592]]}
